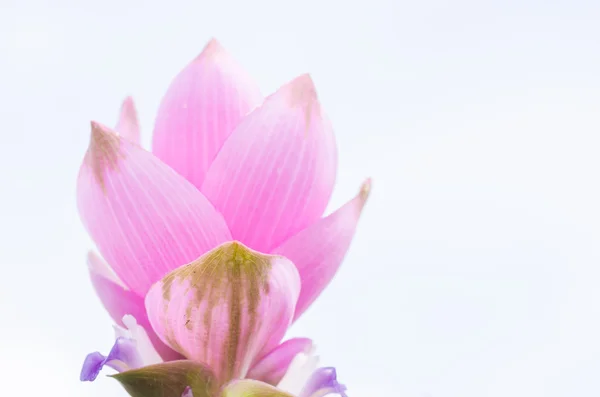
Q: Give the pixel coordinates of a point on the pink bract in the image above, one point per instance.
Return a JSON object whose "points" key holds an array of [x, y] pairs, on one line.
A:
{"points": [[228, 168]]}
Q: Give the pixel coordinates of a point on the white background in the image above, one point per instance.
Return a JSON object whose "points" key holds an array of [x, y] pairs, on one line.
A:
{"points": [[476, 267]]}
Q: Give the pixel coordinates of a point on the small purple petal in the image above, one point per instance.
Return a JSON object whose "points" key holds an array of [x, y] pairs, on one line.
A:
{"points": [[91, 366], [122, 356], [187, 392], [322, 382]]}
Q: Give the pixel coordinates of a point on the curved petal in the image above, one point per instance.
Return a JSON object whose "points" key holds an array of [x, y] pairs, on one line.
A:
{"points": [[273, 366], [122, 357], [275, 174], [132, 330], [116, 298], [299, 372], [132, 349], [252, 388], [128, 125], [318, 250], [226, 308], [200, 110], [99, 268], [322, 383], [145, 218], [119, 302]]}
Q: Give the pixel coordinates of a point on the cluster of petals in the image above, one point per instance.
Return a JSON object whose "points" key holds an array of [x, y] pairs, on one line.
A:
{"points": [[214, 242]]}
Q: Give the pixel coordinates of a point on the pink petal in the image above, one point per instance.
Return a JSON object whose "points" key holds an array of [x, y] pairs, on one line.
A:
{"points": [[318, 250], [145, 218], [119, 301], [116, 298], [275, 175], [128, 125], [274, 364], [226, 308], [200, 110], [99, 268]]}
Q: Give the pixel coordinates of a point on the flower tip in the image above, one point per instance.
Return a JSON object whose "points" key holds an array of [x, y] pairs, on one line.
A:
{"points": [[301, 92], [104, 150], [311, 349], [365, 190], [96, 126], [127, 103], [303, 80], [92, 259], [102, 139], [187, 392], [232, 244], [99, 130], [91, 256], [235, 246], [212, 48]]}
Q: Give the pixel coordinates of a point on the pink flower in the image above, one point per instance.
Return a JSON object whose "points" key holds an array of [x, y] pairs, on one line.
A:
{"points": [[215, 242]]}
